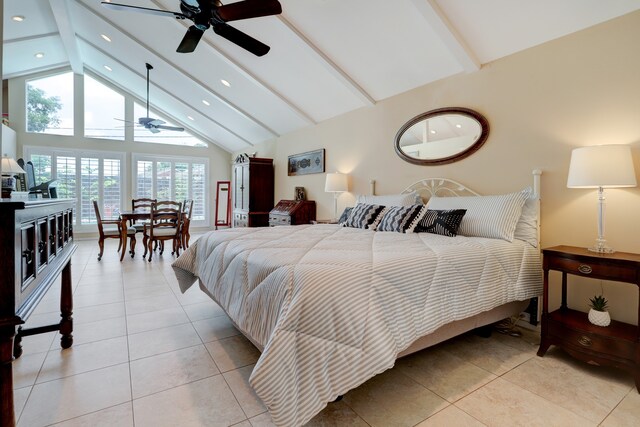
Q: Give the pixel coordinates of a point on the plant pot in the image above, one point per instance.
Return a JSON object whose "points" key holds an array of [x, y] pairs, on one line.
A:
{"points": [[599, 318]]}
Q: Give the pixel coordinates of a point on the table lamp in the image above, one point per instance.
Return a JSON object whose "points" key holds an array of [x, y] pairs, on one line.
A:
{"points": [[336, 183], [601, 166], [9, 168]]}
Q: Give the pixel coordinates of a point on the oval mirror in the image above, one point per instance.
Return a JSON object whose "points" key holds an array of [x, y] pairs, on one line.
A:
{"points": [[441, 136]]}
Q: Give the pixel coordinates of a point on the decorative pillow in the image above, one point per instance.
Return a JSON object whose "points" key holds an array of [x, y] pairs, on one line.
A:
{"points": [[494, 217], [445, 223], [345, 215], [527, 226], [401, 219], [363, 215], [406, 199]]}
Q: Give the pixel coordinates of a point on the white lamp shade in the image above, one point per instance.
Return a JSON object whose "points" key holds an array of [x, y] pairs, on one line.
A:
{"points": [[604, 166], [336, 183], [10, 166]]}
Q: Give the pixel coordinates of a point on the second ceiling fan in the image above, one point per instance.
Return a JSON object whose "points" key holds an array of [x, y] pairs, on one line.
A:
{"points": [[207, 14]]}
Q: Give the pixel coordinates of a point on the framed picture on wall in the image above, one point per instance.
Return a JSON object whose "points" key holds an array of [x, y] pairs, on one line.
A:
{"points": [[306, 163]]}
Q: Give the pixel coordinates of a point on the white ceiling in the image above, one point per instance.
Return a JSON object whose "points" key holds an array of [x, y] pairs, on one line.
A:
{"points": [[327, 57]]}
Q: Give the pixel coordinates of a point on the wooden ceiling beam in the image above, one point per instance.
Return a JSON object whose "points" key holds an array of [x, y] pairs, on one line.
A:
{"points": [[452, 39], [60, 9]]}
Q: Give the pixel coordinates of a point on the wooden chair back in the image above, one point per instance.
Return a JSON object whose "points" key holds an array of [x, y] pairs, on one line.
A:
{"points": [[165, 213], [187, 208], [142, 205], [98, 217]]}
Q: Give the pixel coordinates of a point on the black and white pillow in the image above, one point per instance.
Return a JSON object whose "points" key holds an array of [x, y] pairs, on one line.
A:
{"points": [[345, 215], [445, 223], [363, 216], [400, 219]]}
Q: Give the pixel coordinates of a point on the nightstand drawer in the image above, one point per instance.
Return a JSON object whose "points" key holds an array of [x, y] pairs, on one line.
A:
{"points": [[593, 269], [589, 341]]}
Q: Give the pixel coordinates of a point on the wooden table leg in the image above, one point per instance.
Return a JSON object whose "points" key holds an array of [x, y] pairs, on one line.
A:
{"points": [[123, 236], [66, 308], [7, 415]]}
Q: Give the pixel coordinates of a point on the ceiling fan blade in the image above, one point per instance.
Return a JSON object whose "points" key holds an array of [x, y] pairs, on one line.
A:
{"points": [[177, 129], [243, 40], [249, 9], [148, 11], [122, 120], [190, 40], [156, 122]]}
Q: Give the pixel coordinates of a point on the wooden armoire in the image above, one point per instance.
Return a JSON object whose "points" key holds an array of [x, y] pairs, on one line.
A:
{"points": [[252, 192]]}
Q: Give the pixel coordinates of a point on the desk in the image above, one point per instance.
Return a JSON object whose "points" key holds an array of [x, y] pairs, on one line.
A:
{"points": [[125, 217]]}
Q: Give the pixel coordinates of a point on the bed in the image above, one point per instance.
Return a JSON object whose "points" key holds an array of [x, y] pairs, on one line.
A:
{"points": [[330, 307]]}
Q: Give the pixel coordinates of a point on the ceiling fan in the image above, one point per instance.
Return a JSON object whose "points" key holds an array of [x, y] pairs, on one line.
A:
{"points": [[153, 125], [212, 13]]}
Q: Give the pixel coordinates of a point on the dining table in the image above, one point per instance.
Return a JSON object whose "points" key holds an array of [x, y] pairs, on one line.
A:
{"points": [[125, 217]]}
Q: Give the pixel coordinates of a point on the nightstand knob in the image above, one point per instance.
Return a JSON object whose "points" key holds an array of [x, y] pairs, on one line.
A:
{"points": [[585, 269], [584, 341]]}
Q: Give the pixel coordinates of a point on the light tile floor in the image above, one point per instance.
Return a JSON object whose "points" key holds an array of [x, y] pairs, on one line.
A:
{"points": [[146, 355]]}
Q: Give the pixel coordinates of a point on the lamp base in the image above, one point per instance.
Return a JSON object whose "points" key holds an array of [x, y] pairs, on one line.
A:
{"points": [[601, 247]]}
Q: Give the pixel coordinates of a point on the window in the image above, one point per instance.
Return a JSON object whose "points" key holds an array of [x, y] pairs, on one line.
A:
{"points": [[83, 175], [140, 134], [50, 104], [102, 107], [173, 178]]}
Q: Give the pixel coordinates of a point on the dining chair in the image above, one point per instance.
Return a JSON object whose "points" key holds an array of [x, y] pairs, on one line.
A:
{"points": [[112, 233], [187, 210], [140, 205], [164, 225]]}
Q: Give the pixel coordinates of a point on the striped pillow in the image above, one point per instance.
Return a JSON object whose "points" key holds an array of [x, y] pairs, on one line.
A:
{"points": [[445, 223], [400, 219], [494, 217], [363, 216], [345, 215]]}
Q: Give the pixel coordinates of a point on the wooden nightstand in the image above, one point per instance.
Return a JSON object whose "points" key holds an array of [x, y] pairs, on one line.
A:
{"points": [[617, 344]]}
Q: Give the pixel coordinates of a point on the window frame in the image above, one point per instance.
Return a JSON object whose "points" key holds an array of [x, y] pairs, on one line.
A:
{"points": [[79, 154], [136, 157]]}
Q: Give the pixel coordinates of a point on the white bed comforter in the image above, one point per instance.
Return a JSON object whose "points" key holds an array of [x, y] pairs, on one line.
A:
{"points": [[331, 307]]}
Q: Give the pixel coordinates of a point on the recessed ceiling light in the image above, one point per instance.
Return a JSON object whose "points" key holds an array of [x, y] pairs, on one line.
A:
{"points": [[190, 118], [18, 18], [39, 55], [205, 102], [105, 37], [106, 67], [224, 82], [433, 132], [459, 126]]}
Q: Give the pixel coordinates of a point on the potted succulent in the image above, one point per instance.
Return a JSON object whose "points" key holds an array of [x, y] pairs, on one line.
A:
{"points": [[598, 315]]}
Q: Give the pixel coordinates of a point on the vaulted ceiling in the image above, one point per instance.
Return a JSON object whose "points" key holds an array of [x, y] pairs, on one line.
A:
{"points": [[327, 57]]}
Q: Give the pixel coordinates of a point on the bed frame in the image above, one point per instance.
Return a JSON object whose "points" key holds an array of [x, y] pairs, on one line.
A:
{"points": [[443, 187]]}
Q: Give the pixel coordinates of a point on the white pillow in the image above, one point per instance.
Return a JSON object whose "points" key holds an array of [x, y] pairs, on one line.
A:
{"points": [[406, 199], [527, 226], [494, 217]]}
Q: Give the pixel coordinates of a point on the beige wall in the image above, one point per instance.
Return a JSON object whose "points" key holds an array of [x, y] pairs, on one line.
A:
{"points": [[583, 89], [219, 163]]}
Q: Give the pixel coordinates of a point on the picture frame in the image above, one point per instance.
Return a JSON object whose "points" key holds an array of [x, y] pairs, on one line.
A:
{"points": [[306, 163], [300, 194]]}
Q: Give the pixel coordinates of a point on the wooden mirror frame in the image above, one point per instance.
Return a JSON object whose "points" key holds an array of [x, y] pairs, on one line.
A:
{"points": [[482, 121]]}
